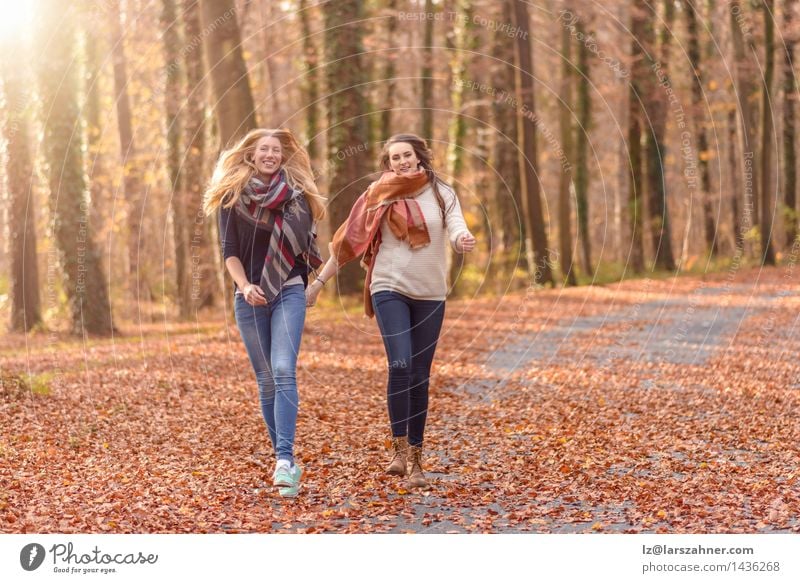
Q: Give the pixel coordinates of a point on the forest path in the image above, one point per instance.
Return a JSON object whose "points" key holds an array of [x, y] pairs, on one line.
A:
{"points": [[647, 406]]}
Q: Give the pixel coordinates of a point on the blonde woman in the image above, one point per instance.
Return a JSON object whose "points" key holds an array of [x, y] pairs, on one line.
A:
{"points": [[268, 207]]}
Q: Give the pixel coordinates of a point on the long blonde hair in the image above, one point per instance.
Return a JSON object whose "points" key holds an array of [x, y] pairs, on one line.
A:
{"points": [[235, 168]]}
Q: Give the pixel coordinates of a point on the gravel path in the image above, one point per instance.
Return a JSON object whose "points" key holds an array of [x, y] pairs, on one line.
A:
{"points": [[681, 329]]}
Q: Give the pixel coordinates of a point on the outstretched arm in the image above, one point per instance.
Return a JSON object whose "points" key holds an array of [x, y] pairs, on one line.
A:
{"points": [[460, 238]]}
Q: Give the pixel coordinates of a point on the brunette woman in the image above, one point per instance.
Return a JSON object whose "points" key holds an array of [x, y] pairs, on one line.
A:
{"points": [[399, 228], [268, 206]]}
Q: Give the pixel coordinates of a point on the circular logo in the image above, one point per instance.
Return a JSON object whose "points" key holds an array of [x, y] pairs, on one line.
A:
{"points": [[31, 556]]}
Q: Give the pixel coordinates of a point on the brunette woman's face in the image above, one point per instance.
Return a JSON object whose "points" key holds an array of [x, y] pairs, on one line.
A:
{"points": [[268, 155], [402, 158]]}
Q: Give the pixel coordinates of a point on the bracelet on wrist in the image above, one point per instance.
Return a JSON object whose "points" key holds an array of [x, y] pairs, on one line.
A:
{"points": [[322, 281]]}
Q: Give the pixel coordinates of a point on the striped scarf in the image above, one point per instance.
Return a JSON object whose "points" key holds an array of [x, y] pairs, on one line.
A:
{"points": [[293, 232]]}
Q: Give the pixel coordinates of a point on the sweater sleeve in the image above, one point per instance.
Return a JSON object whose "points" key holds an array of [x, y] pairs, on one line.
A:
{"points": [[454, 217], [228, 233]]}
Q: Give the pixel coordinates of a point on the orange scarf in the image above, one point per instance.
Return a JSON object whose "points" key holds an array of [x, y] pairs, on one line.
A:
{"points": [[392, 196]]}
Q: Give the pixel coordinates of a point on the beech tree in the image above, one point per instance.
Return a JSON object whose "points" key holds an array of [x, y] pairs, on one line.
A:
{"points": [[636, 179], [565, 180], [83, 279], [695, 61], [538, 250], [24, 275], [233, 99], [348, 121]]}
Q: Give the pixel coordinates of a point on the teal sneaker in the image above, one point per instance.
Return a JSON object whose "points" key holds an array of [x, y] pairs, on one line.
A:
{"points": [[291, 491], [285, 477]]}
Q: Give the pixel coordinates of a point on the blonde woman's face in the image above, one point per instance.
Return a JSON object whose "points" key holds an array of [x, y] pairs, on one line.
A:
{"points": [[268, 155], [402, 158]]}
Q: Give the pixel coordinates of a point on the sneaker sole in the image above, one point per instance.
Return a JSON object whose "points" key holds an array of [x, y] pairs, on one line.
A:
{"points": [[281, 484], [289, 492]]}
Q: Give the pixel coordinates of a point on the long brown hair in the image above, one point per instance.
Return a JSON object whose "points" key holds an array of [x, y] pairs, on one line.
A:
{"points": [[235, 168], [424, 155]]}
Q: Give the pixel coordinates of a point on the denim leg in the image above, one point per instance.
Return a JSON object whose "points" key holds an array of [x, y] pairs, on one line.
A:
{"points": [[254, 327], [394, 321], [288, 317], [426, 324]]}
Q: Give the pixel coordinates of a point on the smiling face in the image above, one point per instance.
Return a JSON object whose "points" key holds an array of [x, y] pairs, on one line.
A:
{"points": [[402, 158], [268, 156]]}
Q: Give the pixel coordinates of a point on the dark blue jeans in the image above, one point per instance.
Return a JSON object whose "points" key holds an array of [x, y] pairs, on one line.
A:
{"points": [[410, 330], [271, 335]]}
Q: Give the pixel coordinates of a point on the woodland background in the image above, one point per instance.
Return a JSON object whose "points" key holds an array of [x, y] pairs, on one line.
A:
{"points": [[620, 351], [588, 141]]}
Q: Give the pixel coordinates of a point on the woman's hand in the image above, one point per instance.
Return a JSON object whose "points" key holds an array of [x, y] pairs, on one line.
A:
{"points": [[465, 243], [312, 291], [254, 295]]}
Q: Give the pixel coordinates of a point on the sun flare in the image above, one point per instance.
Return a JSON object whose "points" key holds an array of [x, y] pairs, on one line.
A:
{"points": [[15, 16]]}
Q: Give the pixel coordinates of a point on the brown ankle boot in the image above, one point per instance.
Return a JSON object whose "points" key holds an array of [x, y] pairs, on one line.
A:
{"points": [[399, 456], [416, 479]]}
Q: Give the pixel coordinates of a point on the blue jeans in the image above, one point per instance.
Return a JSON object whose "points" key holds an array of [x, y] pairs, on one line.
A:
{"points": [[410, 330], [271, 335]]}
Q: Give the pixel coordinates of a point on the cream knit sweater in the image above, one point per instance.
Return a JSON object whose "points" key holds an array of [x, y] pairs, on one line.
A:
{"points": [[420, 273]]}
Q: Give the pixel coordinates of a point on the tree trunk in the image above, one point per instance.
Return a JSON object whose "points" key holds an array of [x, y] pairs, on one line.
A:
{"points": [[99, 179], [24, 276], [656, 108], [204, 275], [789, 100], [636, 182], [236, 113], [745, 72], [584, 114], [132, 179], [537, 247], [84, 282], [426, 96], [483, 174], [310, 83], [622, 192], [457, 131], [348, 133], [458, 65], [507, 198], [739, 229], [565, 179], [709, 223], [390, 70], [273, 85], [172, 102], [767, 211]]}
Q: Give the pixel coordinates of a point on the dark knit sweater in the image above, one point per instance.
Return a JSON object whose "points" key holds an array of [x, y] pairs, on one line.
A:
{"points": [[239, 238]]}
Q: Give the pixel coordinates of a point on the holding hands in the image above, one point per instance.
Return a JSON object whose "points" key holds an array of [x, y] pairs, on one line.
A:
{"points": [[312, 291], [465, 243]]}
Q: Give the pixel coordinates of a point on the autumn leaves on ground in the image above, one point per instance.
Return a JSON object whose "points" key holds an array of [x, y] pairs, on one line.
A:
{"points": [[648, 406]]}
